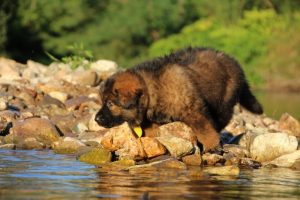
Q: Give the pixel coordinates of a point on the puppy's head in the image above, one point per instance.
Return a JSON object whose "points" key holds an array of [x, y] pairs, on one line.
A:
{"points": [[124, 98]]}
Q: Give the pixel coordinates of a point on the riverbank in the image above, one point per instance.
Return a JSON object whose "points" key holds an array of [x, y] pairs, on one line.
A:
{"points": [[53, 107]]}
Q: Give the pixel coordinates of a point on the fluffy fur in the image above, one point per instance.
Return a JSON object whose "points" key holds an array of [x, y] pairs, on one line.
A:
{"points": [[197, 86]]}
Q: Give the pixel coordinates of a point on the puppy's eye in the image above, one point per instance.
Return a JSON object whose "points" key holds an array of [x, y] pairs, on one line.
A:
{"points": [[109, 103], [115, 92]]}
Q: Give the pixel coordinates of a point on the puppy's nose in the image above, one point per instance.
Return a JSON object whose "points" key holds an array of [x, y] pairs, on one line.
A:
{"points": [[99, 119]]}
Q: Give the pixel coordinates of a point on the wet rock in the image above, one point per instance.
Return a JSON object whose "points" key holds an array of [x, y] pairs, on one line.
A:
{"points": [[287, 160], [289, 124], [223, 171], [194, 159], [124, 142], [178, 147], [30, 143], [61, 96], [96, 156], [117, 165], [67, 145], [152, 147], [176, 129], [269, 146], [170, 163], [236, 150], [41, 129], [8, 146], [211, 159]]}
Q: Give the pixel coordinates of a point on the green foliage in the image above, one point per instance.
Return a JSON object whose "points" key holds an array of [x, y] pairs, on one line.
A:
{"points": [[245, 40], [129, 31], [79, 57]]}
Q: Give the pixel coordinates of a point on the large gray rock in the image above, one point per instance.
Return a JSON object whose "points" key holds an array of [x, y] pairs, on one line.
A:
{"points": [[269, 146]]}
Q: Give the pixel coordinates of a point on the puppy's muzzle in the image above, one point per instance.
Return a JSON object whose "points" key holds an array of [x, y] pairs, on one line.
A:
{"points": [[105, 118]]}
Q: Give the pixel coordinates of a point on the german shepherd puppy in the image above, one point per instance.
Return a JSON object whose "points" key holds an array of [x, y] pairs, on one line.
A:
{"points": [[197, 86]]}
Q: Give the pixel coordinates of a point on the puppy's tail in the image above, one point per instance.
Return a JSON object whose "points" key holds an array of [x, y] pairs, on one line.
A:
{"points": [[248, 100]]}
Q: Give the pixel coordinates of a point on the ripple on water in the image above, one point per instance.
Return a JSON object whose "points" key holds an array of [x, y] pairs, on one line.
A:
{"points": [[44, 175]]}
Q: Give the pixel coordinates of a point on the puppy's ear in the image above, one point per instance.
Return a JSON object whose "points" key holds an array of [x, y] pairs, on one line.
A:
{"points": [[102, 86], [107, 84]]}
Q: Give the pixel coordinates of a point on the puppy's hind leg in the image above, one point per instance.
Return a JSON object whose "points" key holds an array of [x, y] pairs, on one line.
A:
{"points": [[204, 130]]}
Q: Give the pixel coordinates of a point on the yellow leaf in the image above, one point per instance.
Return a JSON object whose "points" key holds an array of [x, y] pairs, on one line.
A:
{"points": [[138, 131]]}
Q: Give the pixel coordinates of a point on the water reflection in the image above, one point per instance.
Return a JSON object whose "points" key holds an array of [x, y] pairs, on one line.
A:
{"points": [[44, 175]]}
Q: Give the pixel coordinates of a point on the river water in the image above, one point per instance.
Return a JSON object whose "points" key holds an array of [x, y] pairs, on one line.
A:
{"points": [[45, 175]]}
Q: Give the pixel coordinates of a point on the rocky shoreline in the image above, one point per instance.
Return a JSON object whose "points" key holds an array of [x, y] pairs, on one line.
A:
{"points": [[53, 107]]}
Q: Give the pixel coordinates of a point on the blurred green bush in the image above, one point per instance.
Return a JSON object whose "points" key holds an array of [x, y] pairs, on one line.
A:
{"points": [[263, 35]]}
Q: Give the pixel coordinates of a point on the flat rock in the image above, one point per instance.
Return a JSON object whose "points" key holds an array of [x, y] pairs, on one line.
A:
{"points": [[223, 171], [287, 160], [170, 163], [178, 147], [96, 156], [269, 146], [41, 129]]}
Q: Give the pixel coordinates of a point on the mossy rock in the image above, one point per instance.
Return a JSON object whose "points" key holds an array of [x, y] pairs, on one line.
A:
{"points": [[96, 156]]}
